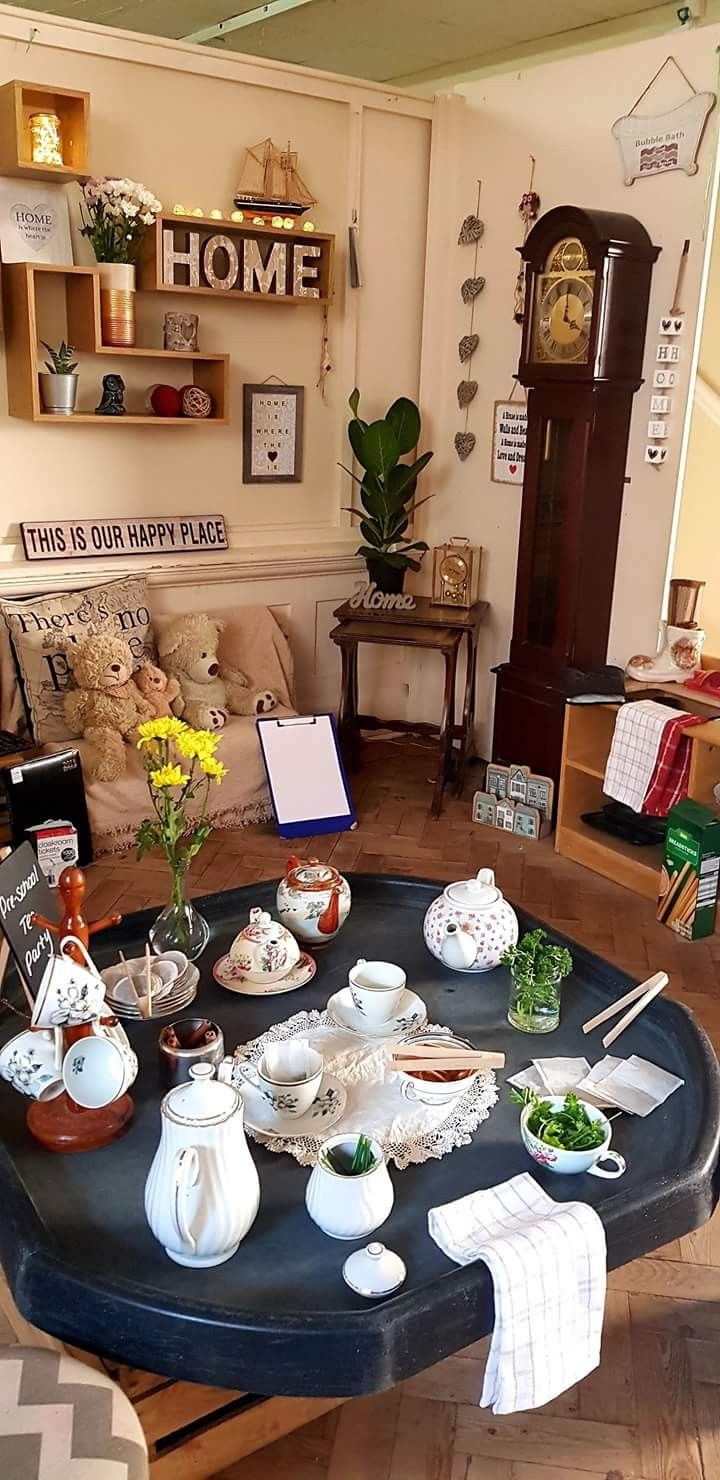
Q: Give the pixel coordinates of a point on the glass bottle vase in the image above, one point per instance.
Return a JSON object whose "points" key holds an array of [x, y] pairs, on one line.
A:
{"points": [[180, 927], [535, 1006]]}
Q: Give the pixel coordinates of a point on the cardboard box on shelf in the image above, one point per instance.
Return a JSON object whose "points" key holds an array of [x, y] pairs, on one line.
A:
{"points": [[690, 872]]}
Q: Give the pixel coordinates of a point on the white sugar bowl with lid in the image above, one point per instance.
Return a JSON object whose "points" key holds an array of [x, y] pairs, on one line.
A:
{"points": [[313, 899], [470, 925], [265, 951]]}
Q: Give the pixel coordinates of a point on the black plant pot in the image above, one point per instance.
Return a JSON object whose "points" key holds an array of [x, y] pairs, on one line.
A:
{"points": [[387, 578]]}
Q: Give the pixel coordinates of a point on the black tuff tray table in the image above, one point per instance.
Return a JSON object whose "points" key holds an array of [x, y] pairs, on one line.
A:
{"points": [[277, 1318]]}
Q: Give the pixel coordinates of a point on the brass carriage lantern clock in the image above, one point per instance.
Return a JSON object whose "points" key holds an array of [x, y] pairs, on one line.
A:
{"points": [[456, 573], [587, 291]]}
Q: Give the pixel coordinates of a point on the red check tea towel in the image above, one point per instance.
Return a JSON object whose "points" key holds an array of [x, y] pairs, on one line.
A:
{"points": [[548, 1263], [669, 782], [633, 753]]}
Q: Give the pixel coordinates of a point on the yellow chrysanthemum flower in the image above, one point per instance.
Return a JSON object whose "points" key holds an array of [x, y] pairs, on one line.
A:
{"points": [[213, 768], [166, 727], [168, 776], [198, 744]]}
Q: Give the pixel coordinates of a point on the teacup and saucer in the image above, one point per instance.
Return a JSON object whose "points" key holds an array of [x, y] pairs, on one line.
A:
{"points": [[287, 1091]]}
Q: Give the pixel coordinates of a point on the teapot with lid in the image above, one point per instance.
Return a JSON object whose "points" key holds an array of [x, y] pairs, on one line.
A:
{"points": [[202, 1193], [313, 899], [265, 950], [470, 925]]}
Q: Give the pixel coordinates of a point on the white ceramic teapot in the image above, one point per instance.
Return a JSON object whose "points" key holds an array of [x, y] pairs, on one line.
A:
{"points": [[470, 926], [202, 1193], [314, 900], [265, 951]]}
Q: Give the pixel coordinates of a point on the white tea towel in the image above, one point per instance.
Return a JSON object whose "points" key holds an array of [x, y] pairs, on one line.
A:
{"points": [[633, 752], [548, 1263]]}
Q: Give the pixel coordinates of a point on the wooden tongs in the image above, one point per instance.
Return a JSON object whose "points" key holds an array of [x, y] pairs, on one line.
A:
{"points": [[641, 996], [440, 1056]]}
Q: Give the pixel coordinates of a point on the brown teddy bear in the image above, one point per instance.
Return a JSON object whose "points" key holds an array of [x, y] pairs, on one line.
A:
{"points": [[158, 690], [209, 690], [105, 706]]}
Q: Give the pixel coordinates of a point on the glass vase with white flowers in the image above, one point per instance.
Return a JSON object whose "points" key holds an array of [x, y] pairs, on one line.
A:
{"points": [[116, 213], [180, 764]]}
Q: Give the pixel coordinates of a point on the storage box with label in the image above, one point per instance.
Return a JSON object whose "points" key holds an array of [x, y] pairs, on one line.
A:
{"points": [[689, 875]]}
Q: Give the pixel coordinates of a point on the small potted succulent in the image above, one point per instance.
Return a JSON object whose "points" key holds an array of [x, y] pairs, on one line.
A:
{"points": [[59, 382], [537, 969], [387, 490]]}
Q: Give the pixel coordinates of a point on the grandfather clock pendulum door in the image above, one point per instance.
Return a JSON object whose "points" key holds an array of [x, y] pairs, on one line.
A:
{"points": [[587, 290]]}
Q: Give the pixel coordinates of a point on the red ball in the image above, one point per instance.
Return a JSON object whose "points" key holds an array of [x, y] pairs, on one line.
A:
{"points": [[165, 400]]}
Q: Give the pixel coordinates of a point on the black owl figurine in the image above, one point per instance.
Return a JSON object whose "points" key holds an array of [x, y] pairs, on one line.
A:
{"points": [[111, 403]]}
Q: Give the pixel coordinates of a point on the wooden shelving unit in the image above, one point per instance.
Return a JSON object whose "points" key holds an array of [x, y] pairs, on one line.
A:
{"points": [[150, 265], [587, 739], [18, 100], [23, 332]]}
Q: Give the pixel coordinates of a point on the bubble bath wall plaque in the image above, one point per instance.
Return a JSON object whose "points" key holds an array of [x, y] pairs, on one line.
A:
{"points": [[653, 144]]}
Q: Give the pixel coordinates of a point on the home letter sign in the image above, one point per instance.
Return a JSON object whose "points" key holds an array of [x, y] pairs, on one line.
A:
{"points": [[243, 259]]}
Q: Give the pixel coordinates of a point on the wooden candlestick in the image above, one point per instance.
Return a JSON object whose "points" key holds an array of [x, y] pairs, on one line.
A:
{"points": [[72, 886]]}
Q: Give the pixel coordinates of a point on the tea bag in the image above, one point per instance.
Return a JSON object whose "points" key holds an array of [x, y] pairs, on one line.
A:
{"points": [[527, 1079], [560, 1075], [290, 1061]]}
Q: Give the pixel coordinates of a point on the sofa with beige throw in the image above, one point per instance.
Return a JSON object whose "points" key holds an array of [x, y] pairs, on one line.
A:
{"points": [[34, 675]]}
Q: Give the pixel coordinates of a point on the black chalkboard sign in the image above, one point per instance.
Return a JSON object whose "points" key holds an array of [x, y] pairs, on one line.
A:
{"points": [[24, 891]]}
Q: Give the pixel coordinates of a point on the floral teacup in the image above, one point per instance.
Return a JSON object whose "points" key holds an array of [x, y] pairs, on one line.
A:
{"points": [[571, 1162], [29, 1064], [288, 1091]]}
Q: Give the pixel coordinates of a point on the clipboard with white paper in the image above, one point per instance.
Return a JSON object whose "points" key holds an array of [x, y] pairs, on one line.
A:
{"points": [[308, 785]]}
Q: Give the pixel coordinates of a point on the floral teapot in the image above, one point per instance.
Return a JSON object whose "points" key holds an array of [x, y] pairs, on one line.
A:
{"points": [[265, 951], [470, 926], [314, 900], [203, 1192]]}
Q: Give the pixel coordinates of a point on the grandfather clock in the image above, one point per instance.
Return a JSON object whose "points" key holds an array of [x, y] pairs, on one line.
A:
{"points": [[586, 301]]}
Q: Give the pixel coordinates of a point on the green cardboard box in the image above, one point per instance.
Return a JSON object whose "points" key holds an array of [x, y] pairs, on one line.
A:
{"points": [[690, 872]]}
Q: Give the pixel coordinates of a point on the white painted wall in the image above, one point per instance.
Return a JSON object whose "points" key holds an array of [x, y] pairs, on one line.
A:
{"points": [[561, 113]]}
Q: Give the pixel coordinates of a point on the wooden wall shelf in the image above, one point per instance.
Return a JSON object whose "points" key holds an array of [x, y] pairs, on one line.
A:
{"points": [[588, 735], [18, 100], [81, 285], [150, 266]]}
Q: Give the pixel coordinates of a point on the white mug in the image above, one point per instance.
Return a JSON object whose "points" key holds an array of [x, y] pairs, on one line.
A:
{"points": [[287, 1097], [556, 1159], [28, 1062], [376, 988], [96, 1071], [68, 994]]}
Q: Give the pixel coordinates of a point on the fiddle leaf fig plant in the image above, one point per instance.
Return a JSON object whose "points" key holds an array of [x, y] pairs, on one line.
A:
{"points": [[387, 485]]}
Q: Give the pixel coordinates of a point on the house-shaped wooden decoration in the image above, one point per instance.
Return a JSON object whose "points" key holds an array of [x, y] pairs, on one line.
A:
{"points": [[496, 780], [484, 808], [515, 800]]}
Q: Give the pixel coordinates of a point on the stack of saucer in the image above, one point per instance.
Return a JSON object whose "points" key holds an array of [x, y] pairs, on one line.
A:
{"points": [[179, 986]]}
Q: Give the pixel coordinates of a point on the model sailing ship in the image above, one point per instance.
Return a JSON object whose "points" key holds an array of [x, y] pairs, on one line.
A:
{"points": [[270, 184]]}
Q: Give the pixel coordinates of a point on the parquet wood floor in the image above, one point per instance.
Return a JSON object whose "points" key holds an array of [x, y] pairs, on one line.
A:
{"points": [[652, 1409]]}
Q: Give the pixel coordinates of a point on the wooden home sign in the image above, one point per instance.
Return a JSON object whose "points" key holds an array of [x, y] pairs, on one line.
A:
{"points": [[189, 254]]}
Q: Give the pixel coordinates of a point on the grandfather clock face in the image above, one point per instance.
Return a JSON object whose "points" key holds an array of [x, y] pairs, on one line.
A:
{"points": [[563, 306]]}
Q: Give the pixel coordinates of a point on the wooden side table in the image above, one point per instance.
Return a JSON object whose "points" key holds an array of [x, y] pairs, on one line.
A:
{"points": [[437, 628]]}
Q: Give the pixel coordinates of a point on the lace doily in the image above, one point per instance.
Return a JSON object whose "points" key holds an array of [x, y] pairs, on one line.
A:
{"points": [[409, 1132]]}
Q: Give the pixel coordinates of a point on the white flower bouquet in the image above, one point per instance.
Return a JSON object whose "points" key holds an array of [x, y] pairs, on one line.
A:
{"points": [[116, 216]]}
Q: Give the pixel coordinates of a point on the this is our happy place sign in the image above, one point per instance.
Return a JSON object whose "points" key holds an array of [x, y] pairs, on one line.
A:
{"points": [[84, 538]]}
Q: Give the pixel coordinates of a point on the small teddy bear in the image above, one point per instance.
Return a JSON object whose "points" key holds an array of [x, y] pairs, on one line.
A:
{"points": [[105, 706], [209, 690], [157, 688]]}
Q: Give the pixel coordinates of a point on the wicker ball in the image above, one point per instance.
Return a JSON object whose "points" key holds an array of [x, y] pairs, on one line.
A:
{"points": [[196, 401]]}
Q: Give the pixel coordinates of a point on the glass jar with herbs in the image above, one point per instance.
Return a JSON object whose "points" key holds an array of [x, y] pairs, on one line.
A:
{"points": [[537, 969]]}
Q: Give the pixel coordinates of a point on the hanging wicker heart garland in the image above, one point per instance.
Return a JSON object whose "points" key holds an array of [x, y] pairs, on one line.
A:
{"points": [[464, 444], [466, 392], [467, 347], [471, 287], [470, 231]]}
